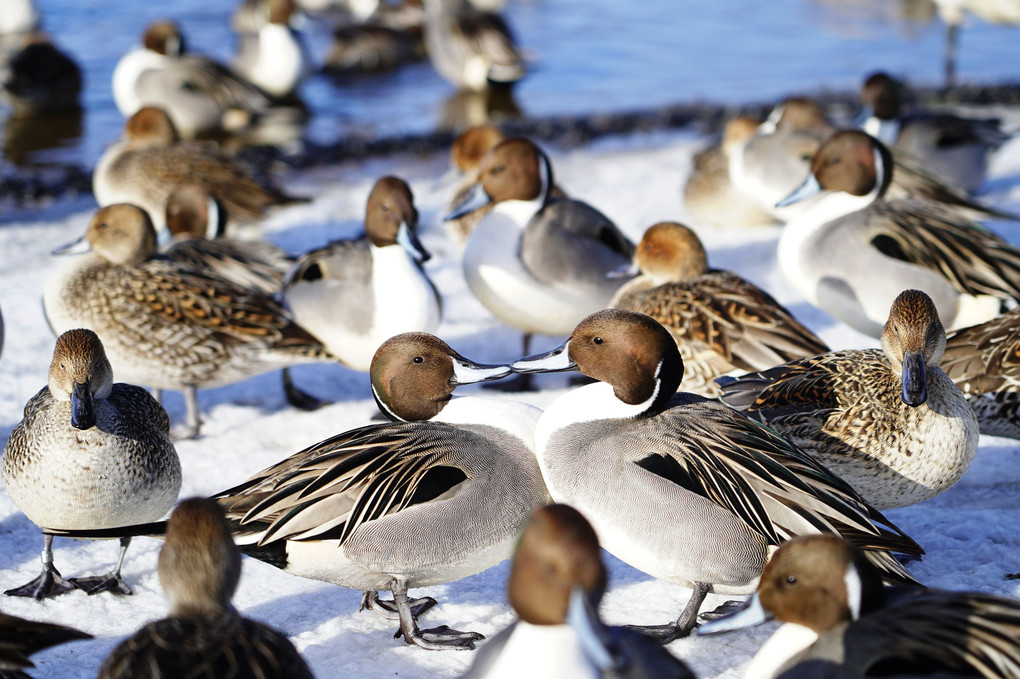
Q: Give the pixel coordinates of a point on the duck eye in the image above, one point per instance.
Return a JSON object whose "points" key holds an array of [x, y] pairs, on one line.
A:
{"points": [[102, 225], [419, 359], [791, 579], [835, 160], [385, 207], [598, 340], [498, 169]]}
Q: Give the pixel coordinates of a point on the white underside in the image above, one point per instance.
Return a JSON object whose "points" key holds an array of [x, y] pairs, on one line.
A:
{"points": [[789, 640], [126, 74], [542, 651], [280, 64]]}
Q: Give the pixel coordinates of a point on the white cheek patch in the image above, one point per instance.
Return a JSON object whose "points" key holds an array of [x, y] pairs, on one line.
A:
{"points": [[852, 580]]}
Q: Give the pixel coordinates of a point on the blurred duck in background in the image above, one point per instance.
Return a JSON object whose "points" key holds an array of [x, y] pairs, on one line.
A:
{"points": [[272, 57], [470, 48], [39, 79]]}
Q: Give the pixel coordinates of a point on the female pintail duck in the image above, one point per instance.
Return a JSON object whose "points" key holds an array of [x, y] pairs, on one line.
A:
{"points": [[537, 264], [89, 454], [151, 161], [839, 620], [727, 489], [273, 59], [197, 225], [204, 636], [466, 155], [556, 583], [20, 638], [355, 294], [950, 146], [982, 361], [165, 325], [720, 321], [853, 248], [469, 47], [888, 421]]}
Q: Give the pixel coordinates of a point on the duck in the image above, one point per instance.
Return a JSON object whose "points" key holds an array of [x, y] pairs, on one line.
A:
{"points": [[953, 13], [274, 59], [21, 638], [709, 195], [201, 96], [204, 635], [720, 321], [854, 249], [125, 467], [469, 47], [41, 80], [354, 294], [981, 361], [19, 16], [728, 490], [466, 155], [165, 325], [538, 264], [955, 148], [888, 421], [556, 583], [839, 620], [151, 160]]}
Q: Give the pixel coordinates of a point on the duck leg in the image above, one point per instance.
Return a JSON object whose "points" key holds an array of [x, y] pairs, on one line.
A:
{"points": [[111, 582], [370, 600], [664, 634], [50, 582], [435, 639], [297, 397], [194, 422]]}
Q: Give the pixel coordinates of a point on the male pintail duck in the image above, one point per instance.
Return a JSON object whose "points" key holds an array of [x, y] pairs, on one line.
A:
{"points": [[273, 59], [355, 294], [165, 325], [888, 421], [983, 362], [556, 583], [720, 321], [726, 490], [20, 638], [466, 155], [539, 265], [199, 569], [839, 620], [948, 145], [151, 161], [853, 248], [469, 47], [89, 454]]}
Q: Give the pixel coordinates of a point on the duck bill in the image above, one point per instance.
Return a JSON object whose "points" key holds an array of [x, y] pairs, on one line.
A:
{"points": [[624, 271], [407, 238], [583, 618], [915, 375], [83, 411], [466, 371], [809, 188], [475, 199], [76, 247], [557, 360], [750, 614]]}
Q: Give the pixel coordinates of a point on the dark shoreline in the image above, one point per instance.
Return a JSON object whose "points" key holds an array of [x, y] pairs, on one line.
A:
{"points": [[21, 186]]}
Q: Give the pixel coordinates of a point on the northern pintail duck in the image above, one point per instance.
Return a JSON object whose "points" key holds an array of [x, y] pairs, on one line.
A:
{"points": [[151, 160], [469, 47], [354, 294], [982, 361], [720, 321], [165, 325], [556, 583], [466, 154], [20, 638], [948, 145], [854, 248], [88, 454], [709, 195], [40, 79], [19, 16], [371, 48], [199, 569], [888, 421], [726, 490], [459, 474], [538, 264], [840, 621], [273, 59], [201, 96]]}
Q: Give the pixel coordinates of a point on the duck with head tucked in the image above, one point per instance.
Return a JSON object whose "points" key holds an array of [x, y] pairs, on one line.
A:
{"points": [[89, 454], [678, 486], [888, 421], [165, 325]]}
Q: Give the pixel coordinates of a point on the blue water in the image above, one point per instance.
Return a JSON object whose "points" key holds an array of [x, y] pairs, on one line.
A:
{"points": [[586, 55]]}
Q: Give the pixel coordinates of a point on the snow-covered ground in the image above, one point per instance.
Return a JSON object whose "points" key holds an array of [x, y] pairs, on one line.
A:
{"points": [[971, 532]]}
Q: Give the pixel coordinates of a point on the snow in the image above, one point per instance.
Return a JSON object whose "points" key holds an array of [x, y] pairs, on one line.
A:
{"points": [[970, 532]]}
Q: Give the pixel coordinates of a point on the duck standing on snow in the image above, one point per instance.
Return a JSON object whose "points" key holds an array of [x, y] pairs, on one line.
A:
{"points": [[166, 325], [888, 421], [90, 454], [720, 321], [678, 486], [199, 569]]}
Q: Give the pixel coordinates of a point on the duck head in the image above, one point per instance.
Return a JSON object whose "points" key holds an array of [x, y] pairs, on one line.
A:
{"points": [[914, 340], [80, 373]]}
